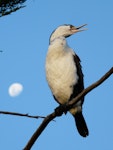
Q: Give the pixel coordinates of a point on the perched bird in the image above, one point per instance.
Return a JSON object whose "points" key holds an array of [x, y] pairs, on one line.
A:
{"points": [[64, 73]]}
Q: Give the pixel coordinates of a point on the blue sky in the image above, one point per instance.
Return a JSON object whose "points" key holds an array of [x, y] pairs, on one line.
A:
{"points": [[24, 37]]}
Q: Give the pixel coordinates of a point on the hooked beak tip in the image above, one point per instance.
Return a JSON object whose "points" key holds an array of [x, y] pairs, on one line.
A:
{"points": [[83, 29], [78, 29]]}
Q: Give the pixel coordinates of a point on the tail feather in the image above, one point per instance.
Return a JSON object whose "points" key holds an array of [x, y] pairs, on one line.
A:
{"points": [[81, 124]]}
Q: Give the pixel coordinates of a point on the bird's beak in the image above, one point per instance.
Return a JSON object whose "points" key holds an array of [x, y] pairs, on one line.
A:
{"points": [[78, 29]]}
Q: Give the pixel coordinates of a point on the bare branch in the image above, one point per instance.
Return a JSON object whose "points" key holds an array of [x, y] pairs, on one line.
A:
{"points": [[68, 106], [19, 114], [90, 88]]}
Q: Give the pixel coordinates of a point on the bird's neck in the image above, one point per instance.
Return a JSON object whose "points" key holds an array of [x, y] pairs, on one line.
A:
{"points": [[59, 41], [58, 47]]}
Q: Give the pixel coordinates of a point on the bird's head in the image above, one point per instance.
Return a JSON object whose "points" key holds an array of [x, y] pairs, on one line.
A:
{"points": [[66, 31]]}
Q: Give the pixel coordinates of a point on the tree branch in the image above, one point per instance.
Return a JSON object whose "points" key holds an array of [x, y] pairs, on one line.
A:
{"points": [[9, 6], [19, 114], [90, 88], [68, 106]]}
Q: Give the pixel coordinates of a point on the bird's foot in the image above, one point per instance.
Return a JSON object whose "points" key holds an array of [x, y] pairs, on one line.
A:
{"points": [[60, 110]]}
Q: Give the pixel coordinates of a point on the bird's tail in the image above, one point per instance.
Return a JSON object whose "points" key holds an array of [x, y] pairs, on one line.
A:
{"points": [[81, 124]]}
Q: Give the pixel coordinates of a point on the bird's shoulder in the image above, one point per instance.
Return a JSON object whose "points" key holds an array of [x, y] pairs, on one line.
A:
{"points": [[76, 58], [77, 62]]}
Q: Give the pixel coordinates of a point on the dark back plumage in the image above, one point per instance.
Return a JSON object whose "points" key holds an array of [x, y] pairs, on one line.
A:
{"points": [[80, 85]]}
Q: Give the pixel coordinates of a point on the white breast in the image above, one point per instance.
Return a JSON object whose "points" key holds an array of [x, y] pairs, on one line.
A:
{"points": [[61, 71]]}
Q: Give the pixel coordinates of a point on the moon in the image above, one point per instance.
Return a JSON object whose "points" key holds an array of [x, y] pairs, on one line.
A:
{"points": [[15, 89]]}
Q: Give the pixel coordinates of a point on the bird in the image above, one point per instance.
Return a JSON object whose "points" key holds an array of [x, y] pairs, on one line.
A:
{"points": [[64, 72]]}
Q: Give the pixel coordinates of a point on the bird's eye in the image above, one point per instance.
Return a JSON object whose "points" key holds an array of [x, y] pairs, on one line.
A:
{"points": [[71, 26]]}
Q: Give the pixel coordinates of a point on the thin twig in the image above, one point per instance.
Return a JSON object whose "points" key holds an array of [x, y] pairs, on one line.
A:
{"points": [[19, 114], [68, 106]]}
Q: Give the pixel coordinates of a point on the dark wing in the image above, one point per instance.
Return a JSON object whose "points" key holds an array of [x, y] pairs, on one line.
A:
{"points": [[77, 88]]}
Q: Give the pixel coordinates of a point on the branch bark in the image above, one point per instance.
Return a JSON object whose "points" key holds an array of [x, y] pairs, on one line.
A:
{"points": [[19, 114], [67, 107]]}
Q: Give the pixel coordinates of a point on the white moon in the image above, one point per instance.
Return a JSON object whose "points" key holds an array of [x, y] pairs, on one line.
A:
{"points": [[15, 89]]}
